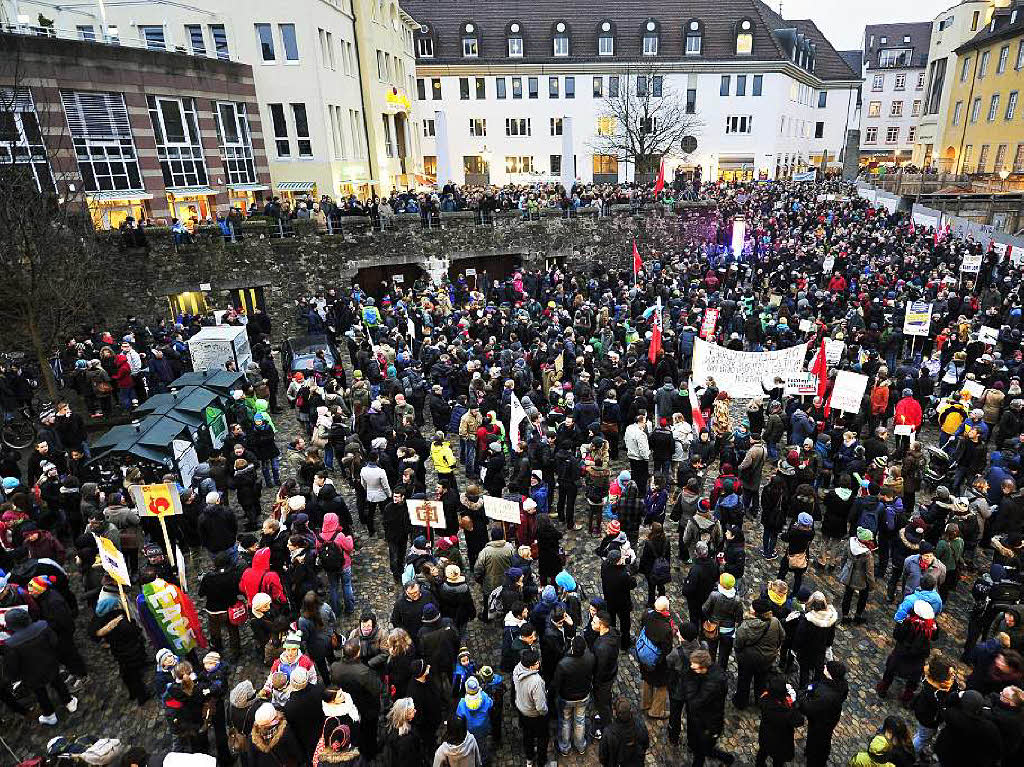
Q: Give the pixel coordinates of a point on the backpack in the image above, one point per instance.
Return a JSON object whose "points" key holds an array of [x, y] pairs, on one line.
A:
{"points": [[891, 520], [330, 558], [661, 571], [868, 518], [495, 607], [647, 653]]}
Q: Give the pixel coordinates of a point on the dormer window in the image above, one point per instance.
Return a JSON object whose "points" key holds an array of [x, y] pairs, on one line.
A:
{"points": [[425, 43], [606, 39], [883, 39], [650, 38], [560, 41], [694, 38], [515, 40], [470, 43], [745, 38]]}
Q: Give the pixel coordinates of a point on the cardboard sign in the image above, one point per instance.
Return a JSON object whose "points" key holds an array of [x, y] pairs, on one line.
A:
{"points": [[918, 319], [828, 264], [903, 429], [471, 272], [398, 279], [848, 391], [976, 388], [972, 263], [426, 513], [707, 327], [501, 510], [113, 561], [802, 384], [806, 326], [988, 335], [160, 500]]}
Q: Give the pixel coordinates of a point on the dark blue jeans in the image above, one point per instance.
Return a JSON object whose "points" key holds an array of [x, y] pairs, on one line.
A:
{"points": [[769, 536]]}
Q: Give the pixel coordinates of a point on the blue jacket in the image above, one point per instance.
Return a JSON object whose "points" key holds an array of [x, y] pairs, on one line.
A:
{"points": [[477, 719], [907, 605], [802, 426]]}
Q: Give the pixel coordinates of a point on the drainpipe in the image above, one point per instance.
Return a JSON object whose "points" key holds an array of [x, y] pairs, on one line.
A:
{"points": [[363, 98]]}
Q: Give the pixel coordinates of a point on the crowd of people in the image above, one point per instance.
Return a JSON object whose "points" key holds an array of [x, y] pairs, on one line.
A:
{"points": [[549, 389]]}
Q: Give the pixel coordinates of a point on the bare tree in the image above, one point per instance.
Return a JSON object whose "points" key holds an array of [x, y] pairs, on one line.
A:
{"points": [[52, 279], [644, 121]]}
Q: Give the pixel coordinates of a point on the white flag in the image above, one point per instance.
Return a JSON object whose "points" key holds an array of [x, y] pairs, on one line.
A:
{"points": [[517, 418]]}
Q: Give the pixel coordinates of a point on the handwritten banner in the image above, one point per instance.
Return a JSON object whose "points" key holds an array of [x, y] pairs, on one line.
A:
{"points": [[501, 510], [741, 373], [848, 391]]}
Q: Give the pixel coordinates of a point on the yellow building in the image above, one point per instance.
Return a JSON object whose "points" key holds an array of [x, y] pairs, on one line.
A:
{"points": [[984, 131]]}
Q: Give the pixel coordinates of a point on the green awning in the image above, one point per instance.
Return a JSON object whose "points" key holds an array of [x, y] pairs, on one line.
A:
{"points": [[122, 196], [221, 382]]}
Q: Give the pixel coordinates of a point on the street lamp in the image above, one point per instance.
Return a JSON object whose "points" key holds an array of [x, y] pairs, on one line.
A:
{"points": [[1003, 174]]}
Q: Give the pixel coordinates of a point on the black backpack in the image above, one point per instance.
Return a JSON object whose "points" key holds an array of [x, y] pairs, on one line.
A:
{"points": [[330, 558]]}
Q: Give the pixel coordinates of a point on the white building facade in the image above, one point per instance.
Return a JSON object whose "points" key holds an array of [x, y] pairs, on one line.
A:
{"points": [[502, 100]]}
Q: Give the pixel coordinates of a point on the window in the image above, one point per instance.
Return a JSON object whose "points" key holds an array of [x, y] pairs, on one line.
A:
{"points": [[429, 128], [382, 70], [946, 23], [517, 126], [911, 134], [519, 165], [470, 47], [481, 88], [1020, 56], [974, 20], [613, 86], [605, 165], [421, 89], [291, 45], [656, 85], [1004, 55], [235, 143], [86, 32], [552, 87], [819, 130], [694, 39], [302, 130], [425, 47], [871, 135], [896, 109], [758, 82], [598, 87], [691, 101], [154, 37], [877, 82], [875, 109], [560, 42], [975, 109], [648, 125], [993, 107], [965, 69], [178, 145], [895, 57], [280, 130], [477, 126], [606, 126], [100, 132], [641, 85], [1011, 105], [220, 40], [605, 40], [435, 89], [915, 108], [517, 87], [570, 87], [1018, 159], [389, 140], [739, 124], [555, 126], [883, 39], [499, 87], [982, 158], [464, 89], [901, 83], [266, 38], [556, 164], [822, 99], [650, 43], [1000, 158], [745, 38], [892, 134], [741, 85], [195, 38], [515, 47], [983, 65], [920, 82], [957, 109], [21, 141], [534, 86], [936, 79], [723, 89]]}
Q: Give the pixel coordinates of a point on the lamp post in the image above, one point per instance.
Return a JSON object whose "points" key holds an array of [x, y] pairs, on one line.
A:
{"points": [[1003, 175]]}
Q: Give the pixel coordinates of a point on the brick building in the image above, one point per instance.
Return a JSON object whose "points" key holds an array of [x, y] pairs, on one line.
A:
{"points": [[150, 133]]}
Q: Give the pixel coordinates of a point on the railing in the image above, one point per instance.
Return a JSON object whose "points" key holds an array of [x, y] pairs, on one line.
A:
{"points": [[112, 37]]}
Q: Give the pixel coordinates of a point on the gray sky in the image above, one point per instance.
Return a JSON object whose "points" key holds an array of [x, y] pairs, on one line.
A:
{"points": [[843, 21]]}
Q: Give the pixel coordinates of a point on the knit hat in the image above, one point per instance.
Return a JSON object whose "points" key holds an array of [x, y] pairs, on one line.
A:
{"points": [[297, 503], [661, 604], [265, 715], [879, 745], [762, 605], [463, 652], [864, 535], [243, 694], [565, 581], [430, 613], [40, 583], [614, 556], [804, 519], [624, 477], [299, 678], [486, 675], [453, 574], [727, 581], [163, 654], [419, 542], [549, 595], [971, 701], [614, 527], [514, 573], [914, 535], [260, 604], [472, 686], [293, 639]]}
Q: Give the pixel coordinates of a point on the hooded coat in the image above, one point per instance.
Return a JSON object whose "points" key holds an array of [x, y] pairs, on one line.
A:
{"points": [[260, 578]]}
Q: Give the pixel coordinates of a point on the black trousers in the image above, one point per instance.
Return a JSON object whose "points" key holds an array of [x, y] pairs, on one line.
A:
{"points": [[675, 719], [862, 600], [620, 617], [819, 744], [396, 558], [535, 738], [603, 702], [567, 504], [755, 673], [640, 472]]}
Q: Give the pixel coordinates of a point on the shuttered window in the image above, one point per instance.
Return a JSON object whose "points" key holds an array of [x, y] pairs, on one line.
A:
{"points": [[102, 136], [21, 141]]}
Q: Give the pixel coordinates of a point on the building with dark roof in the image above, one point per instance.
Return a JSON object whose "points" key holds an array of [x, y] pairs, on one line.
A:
{"points": [[500, 86]]}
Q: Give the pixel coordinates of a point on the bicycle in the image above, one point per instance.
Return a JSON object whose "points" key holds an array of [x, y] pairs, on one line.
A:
{"points": [[18, 429]]}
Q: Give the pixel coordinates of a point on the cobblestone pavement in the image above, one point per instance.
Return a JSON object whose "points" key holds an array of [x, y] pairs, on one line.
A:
{"points": [[104, 711]]}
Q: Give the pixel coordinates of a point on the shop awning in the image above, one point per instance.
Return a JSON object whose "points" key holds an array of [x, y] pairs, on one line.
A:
{"points": [[248, 187], [191, 191], [124, 196], [295, 186]]}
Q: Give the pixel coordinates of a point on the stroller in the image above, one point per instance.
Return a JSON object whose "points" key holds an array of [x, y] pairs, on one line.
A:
{"points": [[992, 596], [938, 467]]}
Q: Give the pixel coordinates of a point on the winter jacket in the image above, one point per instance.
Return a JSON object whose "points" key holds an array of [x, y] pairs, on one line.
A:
{"points": [[637, 446], [776, 730], [858, 569], [624, 744], [218, 527], [457, 603], [705, 702], [912, 572], [494, 559], [465, 754], [968, 739], [531, 693], [815, 633], [724, 608], [822, 704], [260, 578], [758, 641], [574, 676], [31, 655], [606, 656], [617, 585]]}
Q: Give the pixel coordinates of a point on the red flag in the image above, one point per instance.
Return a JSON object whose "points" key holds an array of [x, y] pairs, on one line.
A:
{"points": [[659, 184], [820, 369], [652, 352], [637, 263], [698, 417]]}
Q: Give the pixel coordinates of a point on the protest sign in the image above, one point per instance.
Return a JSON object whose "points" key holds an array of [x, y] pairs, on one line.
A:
{"points": [[976, 388], [918, 319], [156, 500], [501, 510], [113, 561], [971, 263], [426, 513], [833, 353], [802, 384], [806, 326], [828, 264], [707, 327], [988, 335], [741, 373], [848, 391]]}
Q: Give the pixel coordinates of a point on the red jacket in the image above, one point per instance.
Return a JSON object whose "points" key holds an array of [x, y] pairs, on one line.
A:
{"points": [[908, 413], [261, 574], [123, 376], [837, 284]]}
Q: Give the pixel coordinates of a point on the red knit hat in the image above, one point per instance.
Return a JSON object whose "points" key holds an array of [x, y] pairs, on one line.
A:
{"points": [[614, 528], [40, 583]]}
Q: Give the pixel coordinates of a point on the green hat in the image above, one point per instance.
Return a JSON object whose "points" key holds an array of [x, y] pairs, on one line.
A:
{"points": [[864, 535], [879, 745], [727, 580]]}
